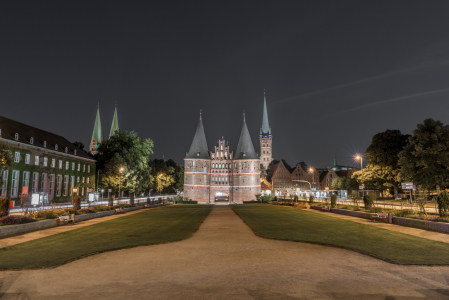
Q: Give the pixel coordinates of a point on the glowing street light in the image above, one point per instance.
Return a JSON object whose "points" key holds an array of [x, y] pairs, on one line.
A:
{"points": [[361, 168], [119, 182]]}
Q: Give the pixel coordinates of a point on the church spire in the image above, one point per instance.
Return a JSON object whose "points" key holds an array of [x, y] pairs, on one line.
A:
{"points": [[265, 129], [199, 148], [114, 126], [245, 148], [97, 136]]}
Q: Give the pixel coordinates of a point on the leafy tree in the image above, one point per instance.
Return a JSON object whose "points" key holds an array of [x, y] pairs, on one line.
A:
{"points": [[345, 183], [373, 176], [303, 165], [6, 160], [125, 150], [167, 175], [383, 170], [425, 160], [80, 145]]}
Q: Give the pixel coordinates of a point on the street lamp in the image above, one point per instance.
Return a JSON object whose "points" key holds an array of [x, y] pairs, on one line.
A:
{"points": [[361, 168], [119, 182]]}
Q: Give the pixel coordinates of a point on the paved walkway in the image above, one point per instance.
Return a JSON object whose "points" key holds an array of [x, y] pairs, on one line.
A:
{"points": [[29, 236], [431, 235], [226, 260]]}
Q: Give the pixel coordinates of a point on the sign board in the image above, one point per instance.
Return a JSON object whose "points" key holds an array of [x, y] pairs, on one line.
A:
{"points": [[91, 197], [362, 186], [314, 189], [109, 190], [34, 199], [407, 186]]}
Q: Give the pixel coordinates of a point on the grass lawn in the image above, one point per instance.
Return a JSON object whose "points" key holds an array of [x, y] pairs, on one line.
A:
{"points": [[285, 223], [153, 226]]}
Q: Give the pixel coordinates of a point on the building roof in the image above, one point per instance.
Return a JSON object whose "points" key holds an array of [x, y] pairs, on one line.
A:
{"points": [[38, 138], [97, 134], [245, 148], [114, 126], [273, 171], [322, 175], [265, 129], [199, 148]]}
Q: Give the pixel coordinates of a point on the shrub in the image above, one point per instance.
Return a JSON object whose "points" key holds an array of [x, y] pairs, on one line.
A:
{"points": [[48, 213], [100, 208], [334, 200], [4, 207], [311, 199], [76, 202], [86, 211], [264, 198], [403, 213], [368, 200], [443, 204], [15, 219], [296, 198]]}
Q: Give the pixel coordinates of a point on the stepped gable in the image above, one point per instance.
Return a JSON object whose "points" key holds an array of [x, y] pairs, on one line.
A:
{"points": [[199, 148], [245, 148]]}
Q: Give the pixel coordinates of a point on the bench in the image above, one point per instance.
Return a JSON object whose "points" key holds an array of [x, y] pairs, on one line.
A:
{"points": [[380, 216], [66, 219], [119, 210], [325, 208]]}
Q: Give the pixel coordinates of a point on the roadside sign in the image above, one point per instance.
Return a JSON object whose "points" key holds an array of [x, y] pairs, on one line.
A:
{"points": [[109, 190], [362, 186], [408, 186]]}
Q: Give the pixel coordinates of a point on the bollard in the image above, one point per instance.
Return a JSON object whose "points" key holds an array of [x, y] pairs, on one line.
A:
{"points": [[390, 218]]}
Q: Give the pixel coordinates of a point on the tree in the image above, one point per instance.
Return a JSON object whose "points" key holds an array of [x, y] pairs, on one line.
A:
{"points": [[125, 150], [171, 175], [303, 165], [425, 160], [345, 183], [6, 160], [383, 170], [80, 145]]}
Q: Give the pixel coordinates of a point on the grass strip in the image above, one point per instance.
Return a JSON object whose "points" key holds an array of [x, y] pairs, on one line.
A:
{"points": [[153, 226], [285, 223]]}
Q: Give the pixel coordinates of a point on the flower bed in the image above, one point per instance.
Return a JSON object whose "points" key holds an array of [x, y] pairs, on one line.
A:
{"points": [[15, 219]]}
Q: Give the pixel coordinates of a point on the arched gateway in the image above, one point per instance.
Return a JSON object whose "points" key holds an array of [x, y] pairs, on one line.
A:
{"points": [[220, 176]]}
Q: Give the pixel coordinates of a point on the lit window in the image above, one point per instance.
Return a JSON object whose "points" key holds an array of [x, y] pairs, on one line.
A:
{"points": [[60, 164], [27, 159], [78, 179], [66, 165], [73, 165], [36, 160], [84, 168], [45, 161], [17, 157], [88, 169], [79, 167], [88, 179], [53, 162]]}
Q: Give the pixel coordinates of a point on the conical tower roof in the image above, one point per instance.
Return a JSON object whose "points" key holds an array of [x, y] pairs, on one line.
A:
{"points": [[199, 148], [245, 148], [97, 128], [114, 126], [265, 129]]}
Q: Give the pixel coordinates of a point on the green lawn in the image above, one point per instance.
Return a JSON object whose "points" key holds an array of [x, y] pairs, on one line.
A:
{"points": [[153, 226], [285, 223]]}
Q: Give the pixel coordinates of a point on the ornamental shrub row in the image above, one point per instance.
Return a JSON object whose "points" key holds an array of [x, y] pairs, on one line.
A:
{"points": [[15, 219]]}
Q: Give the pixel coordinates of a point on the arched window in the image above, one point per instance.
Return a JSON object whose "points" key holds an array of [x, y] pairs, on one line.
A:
{"points": [[56, 147], [74, 152], [66, 150], [45, 144], [31, 141], [16, 136]]}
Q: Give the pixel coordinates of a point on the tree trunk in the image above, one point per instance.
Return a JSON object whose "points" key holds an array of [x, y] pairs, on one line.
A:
{"points": [[131, 198], [395, 192], [110, 201], [438, 189]]}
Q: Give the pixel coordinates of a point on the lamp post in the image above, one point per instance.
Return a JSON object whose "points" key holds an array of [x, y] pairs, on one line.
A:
{"points": [[119, 182], [361, 168]]}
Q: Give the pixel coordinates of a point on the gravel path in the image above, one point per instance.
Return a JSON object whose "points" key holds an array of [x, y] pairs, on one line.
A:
{"points": [[225, 260]]}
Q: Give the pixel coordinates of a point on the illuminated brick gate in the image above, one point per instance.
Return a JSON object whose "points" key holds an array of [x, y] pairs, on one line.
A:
{"points": [[209, 176]]}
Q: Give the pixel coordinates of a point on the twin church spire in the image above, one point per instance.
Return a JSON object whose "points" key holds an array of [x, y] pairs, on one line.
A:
{"points": [[97, 135]]}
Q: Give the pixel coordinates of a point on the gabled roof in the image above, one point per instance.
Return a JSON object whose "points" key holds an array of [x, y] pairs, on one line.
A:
{"points": [[273, 171], [97, 134], [322, 175], [265, 129], [41, 138], [199, 148], [245, 148]]}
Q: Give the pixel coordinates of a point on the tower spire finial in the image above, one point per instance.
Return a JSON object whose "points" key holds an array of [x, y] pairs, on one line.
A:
{"points": [[264, 91], [200, 113], [244, 116]]}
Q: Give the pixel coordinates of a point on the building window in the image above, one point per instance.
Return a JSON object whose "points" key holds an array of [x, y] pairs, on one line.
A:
{"points": [[5, 182], [35, 182], [60, 164], [72, 184], [27, 158], [88, 169], [15, 183], [52, 185], [26, 179], [36, 160], [193, 164], [44, 183], [53, 162], [66, 185], [79, 167], [82, 191], [74, 152], [83, 179], [31, 141], [66, 150], [56, 147], [246, 164], [16, 136], [59, 186], [78, 179], [88, 179], [73, 166], [45, 144], [66, 165], [45, 161], [84, 168], [16, 157]]}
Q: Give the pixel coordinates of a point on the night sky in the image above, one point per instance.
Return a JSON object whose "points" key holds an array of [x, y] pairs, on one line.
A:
{"points": [[335, 72]]}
